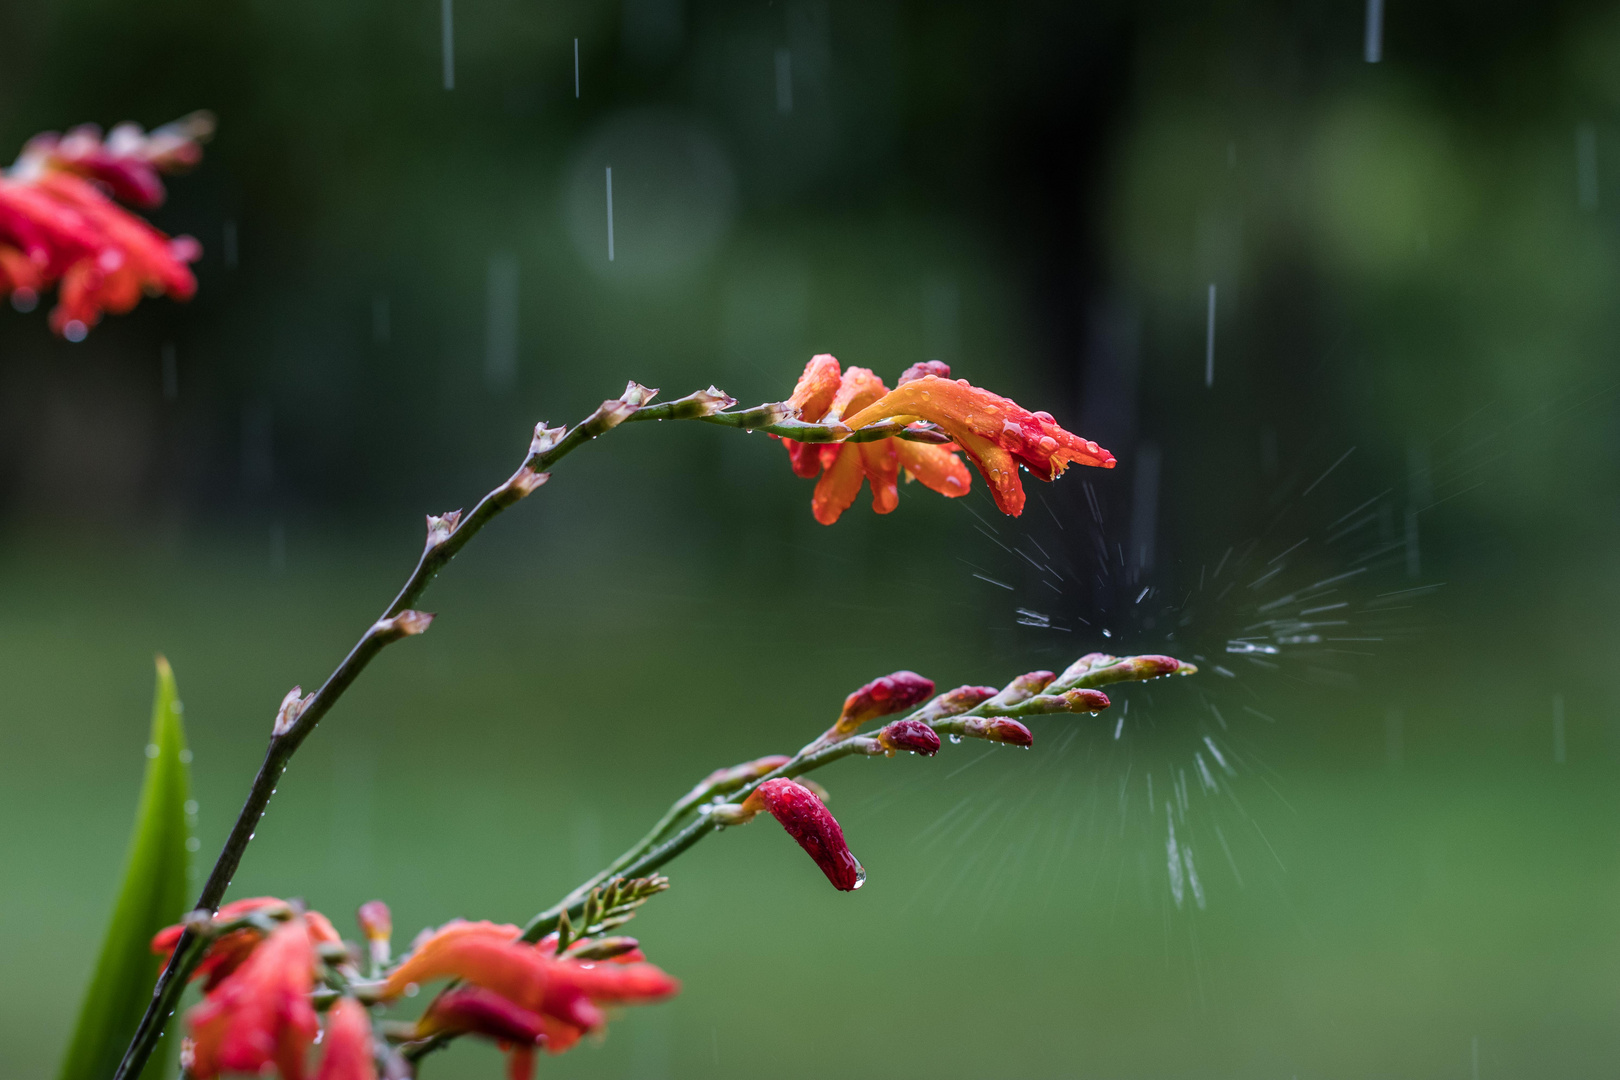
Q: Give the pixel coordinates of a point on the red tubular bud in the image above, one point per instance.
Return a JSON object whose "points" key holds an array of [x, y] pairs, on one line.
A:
{"points": [[375, 920], [912, 735], [882, 697], [956, 701], [1130, 669], [473, 1010], [808, 822], [1087, 700], [999, 730]]}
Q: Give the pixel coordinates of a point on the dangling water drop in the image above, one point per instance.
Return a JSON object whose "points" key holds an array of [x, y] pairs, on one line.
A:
{"points": [[860, 877], [956, 738]]}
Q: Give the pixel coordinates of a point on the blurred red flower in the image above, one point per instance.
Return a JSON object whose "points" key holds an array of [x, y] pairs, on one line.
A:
{"points": [[260, 1015], [59, 223], [566, 994]]}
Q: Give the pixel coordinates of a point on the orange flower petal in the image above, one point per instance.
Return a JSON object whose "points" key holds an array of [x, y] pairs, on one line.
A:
{"points": [[838, 486], [882, 468], [935, 467], [860, 388], [999, 470], [261, 1014], [816, 388]]}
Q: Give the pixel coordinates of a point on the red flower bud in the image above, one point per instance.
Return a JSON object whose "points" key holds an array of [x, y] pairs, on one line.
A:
{"points": [[375, 920], [956, 701], [808, 822], [1099, 669], [1068, 701], [926, 367], [998, 729], [912, 735], [882, 697]]}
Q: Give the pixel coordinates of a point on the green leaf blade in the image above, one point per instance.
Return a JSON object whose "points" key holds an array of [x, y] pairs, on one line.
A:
{"points": [[152, 896]]}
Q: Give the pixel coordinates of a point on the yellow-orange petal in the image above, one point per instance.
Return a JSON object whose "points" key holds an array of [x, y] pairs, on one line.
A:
{"points": [[859, 389], [934, 467], [816, 388], [999, 470], [882, 468], [838, 486]]}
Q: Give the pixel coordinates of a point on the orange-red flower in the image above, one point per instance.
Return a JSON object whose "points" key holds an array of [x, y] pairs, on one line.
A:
{"points": [[227, 951], [347, 1046], [823, 395], [564, 992], [260, 1015], [473, 1010], [58, 223], [996, 433]]}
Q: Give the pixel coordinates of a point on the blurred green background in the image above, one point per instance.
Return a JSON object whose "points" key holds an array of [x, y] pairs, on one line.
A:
{"points": [[1401, 275]]}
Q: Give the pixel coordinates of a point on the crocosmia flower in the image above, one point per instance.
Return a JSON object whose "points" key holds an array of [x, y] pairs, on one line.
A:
{"points": [[346, 1050], [912, 735], [226, 952], [260, 1016], [567, 994], [996, 433], [824, 395], [59, 223]]}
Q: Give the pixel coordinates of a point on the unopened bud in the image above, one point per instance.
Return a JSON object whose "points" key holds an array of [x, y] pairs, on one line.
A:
{"points": [[926, 367], [955, 701], [292, 707], [473, 1010], [817, 832], [407, 623], [375, 920], [900, 692], [440, 526], [545, 439], [998, 729], [912, 735], [1131, 669], [605, 948], [1085, 700], [1022, 688]]}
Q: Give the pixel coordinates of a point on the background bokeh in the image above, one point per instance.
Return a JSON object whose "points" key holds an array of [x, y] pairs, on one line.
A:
{"points": [[1401, 276]]}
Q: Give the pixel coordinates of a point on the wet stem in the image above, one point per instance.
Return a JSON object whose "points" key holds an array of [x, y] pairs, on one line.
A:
{"points": [[444, 542]]}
